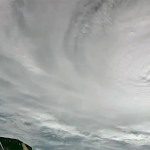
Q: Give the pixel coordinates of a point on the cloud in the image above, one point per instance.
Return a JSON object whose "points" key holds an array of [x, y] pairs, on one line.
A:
{"points": [[75, 74]]}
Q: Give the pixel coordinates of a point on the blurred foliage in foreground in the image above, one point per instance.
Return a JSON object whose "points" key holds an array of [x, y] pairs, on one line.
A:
{"points": [[13, 144]]}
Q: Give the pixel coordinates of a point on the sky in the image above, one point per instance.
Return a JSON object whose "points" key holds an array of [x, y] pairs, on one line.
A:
{"points": [[75, 74]]}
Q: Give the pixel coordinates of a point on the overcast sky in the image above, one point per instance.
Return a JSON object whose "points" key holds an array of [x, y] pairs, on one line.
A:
{"points": [[75, 74]]}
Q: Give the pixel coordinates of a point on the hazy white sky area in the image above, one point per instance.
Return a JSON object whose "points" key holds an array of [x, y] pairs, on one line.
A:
{"points": [[75, 74]]}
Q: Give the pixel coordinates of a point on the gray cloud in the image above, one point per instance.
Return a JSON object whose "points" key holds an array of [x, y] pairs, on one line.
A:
{"points": [[75, 73]]}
